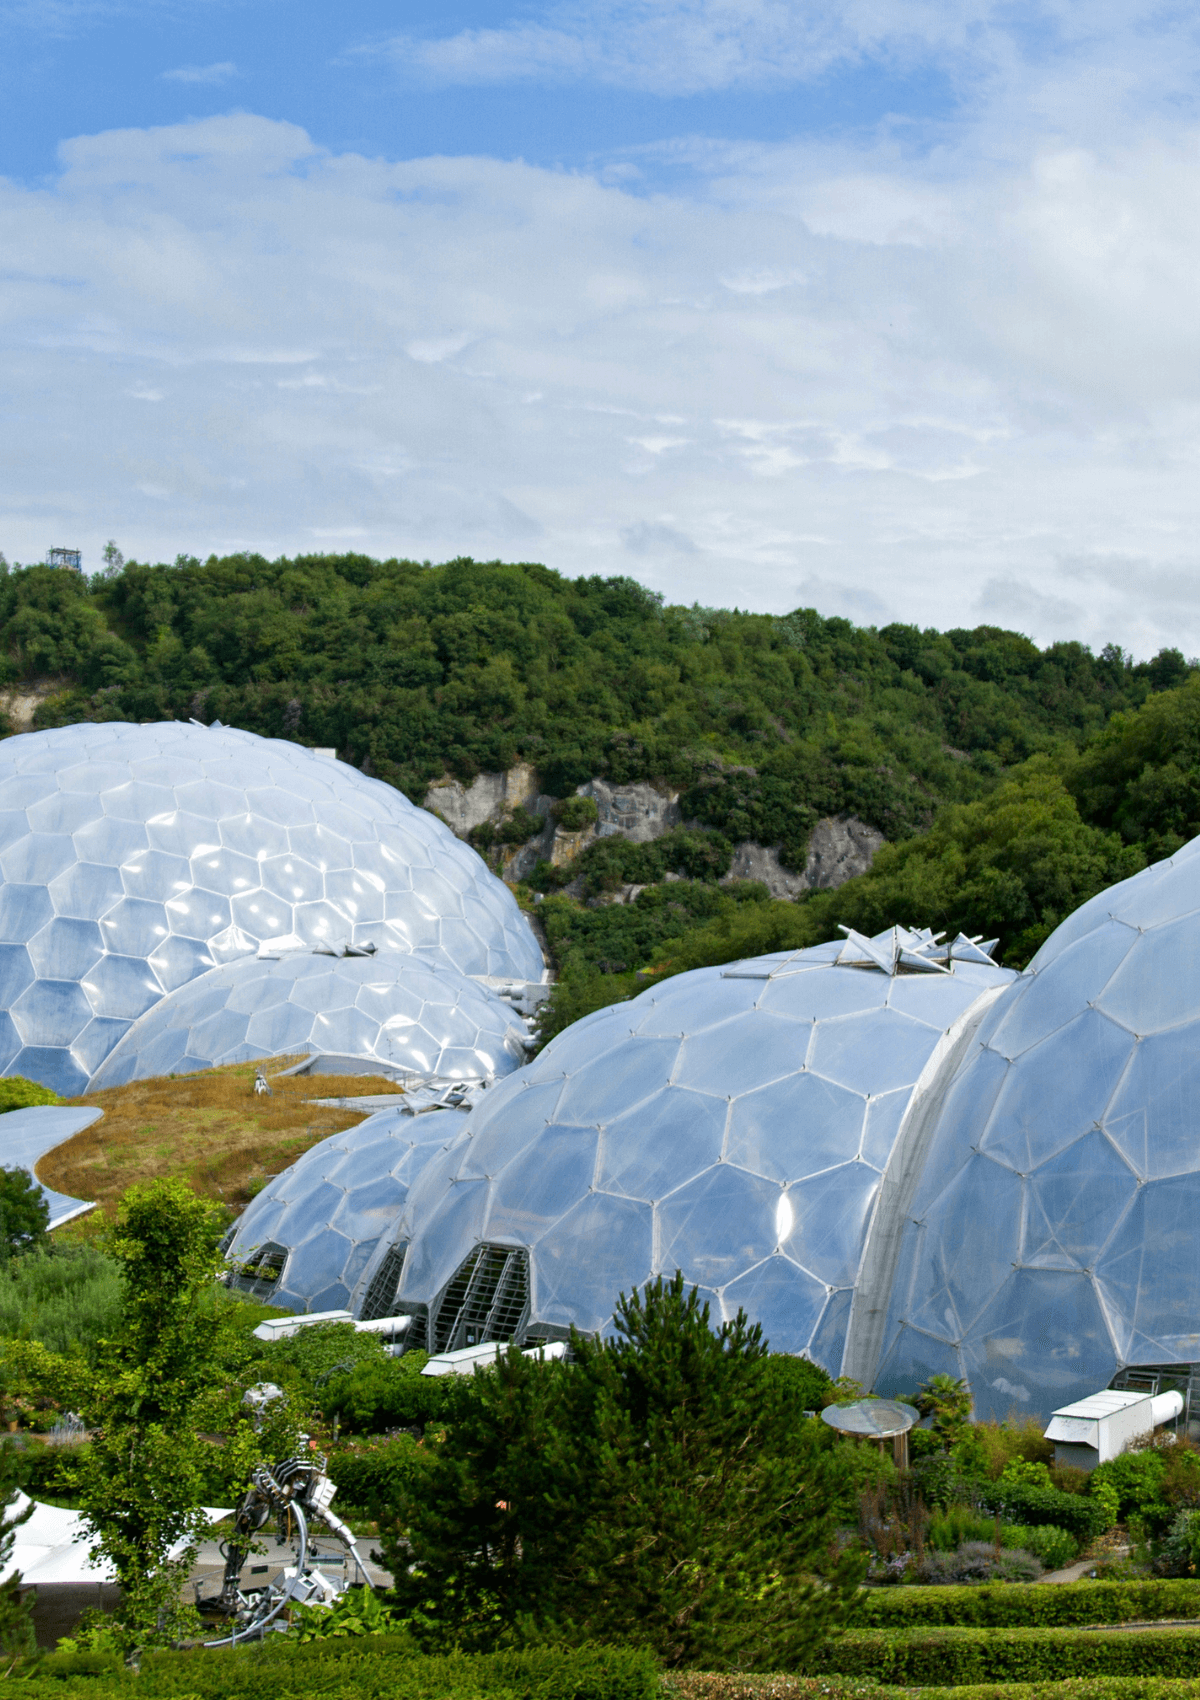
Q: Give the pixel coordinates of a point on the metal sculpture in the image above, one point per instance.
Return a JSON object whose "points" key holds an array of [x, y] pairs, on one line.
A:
{"points": [[296, 1493]]}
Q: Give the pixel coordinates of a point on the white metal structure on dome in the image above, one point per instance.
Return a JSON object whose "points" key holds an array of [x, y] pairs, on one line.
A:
{"points": [[733, 1123], [134, 858], [402, 1012]]}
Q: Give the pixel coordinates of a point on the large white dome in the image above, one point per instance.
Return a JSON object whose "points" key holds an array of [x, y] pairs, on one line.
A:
{"points": [[135, 858], [733, 1123], [1051, 1237]]}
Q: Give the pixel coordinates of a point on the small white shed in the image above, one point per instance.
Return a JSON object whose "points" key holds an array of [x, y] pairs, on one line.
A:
{"points": [[1095, 1429]]}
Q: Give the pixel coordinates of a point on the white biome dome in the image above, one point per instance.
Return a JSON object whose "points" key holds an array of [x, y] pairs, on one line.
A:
{"points": [[394, 1009], [1050, 1239], [135, 858], [732, 1123], [305, 1240]]}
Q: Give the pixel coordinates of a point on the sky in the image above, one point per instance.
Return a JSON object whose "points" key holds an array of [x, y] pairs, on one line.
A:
{"points": [[883, 307]]}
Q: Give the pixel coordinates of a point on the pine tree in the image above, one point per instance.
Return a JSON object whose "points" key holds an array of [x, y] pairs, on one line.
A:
{"points": [[660, 1490]]}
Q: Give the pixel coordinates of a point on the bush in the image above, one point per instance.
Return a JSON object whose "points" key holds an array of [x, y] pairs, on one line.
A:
{"points": [[370, 1477], [314, 1355], [384, 1393], [17, 1093], [1053, 1548], [948, 1529], [1081, 1515], [67, 1297], [376, 1667], [987, 1449], [976, 1562], [1049, 1606], [956, 1656], [574, 813]]}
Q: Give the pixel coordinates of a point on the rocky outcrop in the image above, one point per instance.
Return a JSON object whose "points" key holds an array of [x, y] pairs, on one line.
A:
{"points": [[637, 812], [21, 702], [839, 847], [489, 797]]}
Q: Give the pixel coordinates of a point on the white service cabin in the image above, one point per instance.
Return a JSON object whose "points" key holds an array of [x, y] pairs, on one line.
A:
{"points": [[1100, 1427]]}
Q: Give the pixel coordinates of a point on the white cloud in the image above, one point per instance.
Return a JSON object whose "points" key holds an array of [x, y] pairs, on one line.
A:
{"points": [[1000, 420], [220, 73]]}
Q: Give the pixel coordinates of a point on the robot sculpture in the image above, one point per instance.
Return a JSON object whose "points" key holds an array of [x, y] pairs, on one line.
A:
{"points": [[297, 1494]]}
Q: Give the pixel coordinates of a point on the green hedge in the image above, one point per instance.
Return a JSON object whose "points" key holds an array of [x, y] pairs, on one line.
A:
{"points": [[723, 1685], [1025, 1502], [950, 1657], [1052, 1605], [382, 1666]]}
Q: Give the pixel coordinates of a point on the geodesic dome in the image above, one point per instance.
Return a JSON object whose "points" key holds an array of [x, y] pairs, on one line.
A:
{"points": [[135, 858], [304, 1241], [732, 1123], [1051, 1237], [393, 1008]]}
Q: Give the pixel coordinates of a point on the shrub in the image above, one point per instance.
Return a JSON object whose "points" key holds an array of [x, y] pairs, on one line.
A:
{"points": [[978, 1561], [1047, 1605], [384, 1393], [371, 1477], [956, 1524], [575, 813], [959, 1656], [987, 1448], [17, 1093], [1083, 1516], [1178, 1553], [66, 1297], [314, 1355], [1053, 1548]]}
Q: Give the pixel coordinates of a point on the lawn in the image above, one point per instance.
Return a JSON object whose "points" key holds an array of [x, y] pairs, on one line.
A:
{"points": [[210, 1128]]}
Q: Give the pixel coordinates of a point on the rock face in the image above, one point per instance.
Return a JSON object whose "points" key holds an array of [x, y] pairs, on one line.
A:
{"points": [[637, 812], [489, 796], [840, 847]]}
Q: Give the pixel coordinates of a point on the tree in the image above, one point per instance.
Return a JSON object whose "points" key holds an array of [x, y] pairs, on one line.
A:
{"points": [[114, 560], [660, 1490], [142, 1479], [948, 1402], [24, 1213], [16, 1628]]}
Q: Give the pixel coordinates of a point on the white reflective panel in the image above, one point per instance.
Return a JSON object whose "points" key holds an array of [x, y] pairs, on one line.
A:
{"points": [[913, 1357], [829, 1341], [653, 1149], [794, 1127], [121, 986], [786, 1300], [1073, 1204], [600, 1249], [749, 1049], [831, 1212], [510, 1117], [937, 999], [1041, 1003], [86, 891], [1152, 1116], [691, 1002], [533, 1190], [635, 1071], [884, 1115], [134, 927], [817, 993], [16, 972], [457, 1219], [1041, 1339], [717, 1226], [38, 858], [24, 911], [962, 1265], [156, 875], [1150, 1272], [876, 1052], [1057, 1090], [1147, 902], [51, 1012], [65, 949]]}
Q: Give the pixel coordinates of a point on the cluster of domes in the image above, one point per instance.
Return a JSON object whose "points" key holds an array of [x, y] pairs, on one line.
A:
{"points": [[136, 858], [898, 1157]]}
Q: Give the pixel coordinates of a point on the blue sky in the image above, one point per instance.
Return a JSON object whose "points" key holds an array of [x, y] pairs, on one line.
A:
{"points": [[878, 305]]}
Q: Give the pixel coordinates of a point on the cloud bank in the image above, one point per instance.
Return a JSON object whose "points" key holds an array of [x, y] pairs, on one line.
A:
{"points": [[928, 393]]}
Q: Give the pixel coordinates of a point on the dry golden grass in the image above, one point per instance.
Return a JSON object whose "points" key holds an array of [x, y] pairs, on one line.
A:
{"points": [[210, 1128]]}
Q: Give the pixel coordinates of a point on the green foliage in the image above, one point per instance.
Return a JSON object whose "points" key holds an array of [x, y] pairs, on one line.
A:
{"points": [[1141, 774], [979, 1562], [659, 1490], [142, 1478], [67, 1297], [17, 1093], [313, 1356], [948, 1403], [1034, 1473], [390, 1393], [376, 1667], [16, 1628], [575, 813], [952, 1656], [1082, 1515], [1052, 1605], [24, 1213], [949, 1528], [359, 1611], [1178, 1553], [375, 1475], [1053, 1548]]}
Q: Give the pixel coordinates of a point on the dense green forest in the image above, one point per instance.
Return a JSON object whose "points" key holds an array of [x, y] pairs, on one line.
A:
{"points": [[1011, 781]]}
